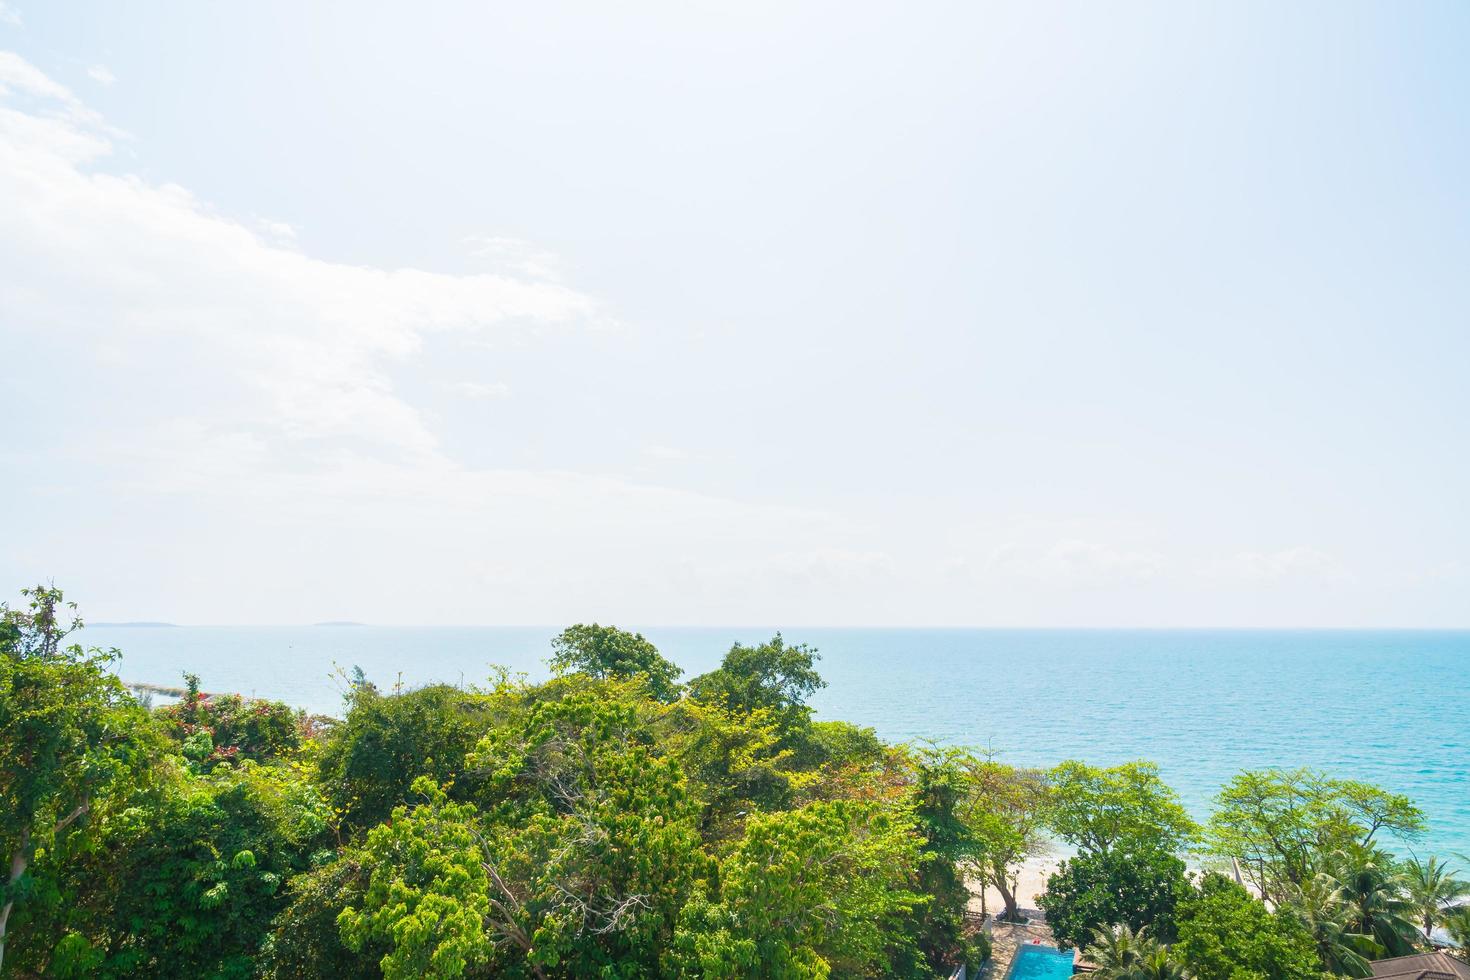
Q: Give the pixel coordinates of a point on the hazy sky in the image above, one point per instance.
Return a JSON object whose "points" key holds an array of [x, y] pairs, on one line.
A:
{"points": [[756, 313]]}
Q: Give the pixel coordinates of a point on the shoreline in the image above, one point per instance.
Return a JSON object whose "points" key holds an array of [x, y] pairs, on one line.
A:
{"points": [[1034, 872], [1030, 884]]}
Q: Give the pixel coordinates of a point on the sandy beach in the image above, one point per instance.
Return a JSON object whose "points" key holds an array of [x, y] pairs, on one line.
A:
{"points": [[1030, 883]]}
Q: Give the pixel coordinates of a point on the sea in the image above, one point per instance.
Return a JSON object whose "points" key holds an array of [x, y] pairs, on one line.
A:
{"points": [[1388, 707]]}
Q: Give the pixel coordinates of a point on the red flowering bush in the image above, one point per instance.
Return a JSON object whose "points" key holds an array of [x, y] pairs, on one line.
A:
{"points": [[237, 727]]}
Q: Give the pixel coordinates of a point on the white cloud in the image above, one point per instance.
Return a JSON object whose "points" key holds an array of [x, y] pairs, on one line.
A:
{"points": [[1047, 553], [8, 14], [480, 391], [1298, 562], [233, 408], [280, 230], [60, 118], [667, 453], [214, 419], [17, 74], [101, 74], [514, 256], [308, 342], [1076, 561]]}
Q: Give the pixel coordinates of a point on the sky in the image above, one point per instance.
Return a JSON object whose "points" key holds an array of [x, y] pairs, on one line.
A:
{"points": [[1031, 314]]}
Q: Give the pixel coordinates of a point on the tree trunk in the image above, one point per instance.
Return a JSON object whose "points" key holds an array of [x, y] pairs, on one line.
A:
{"points": [[18, 863], [1011, 914]]}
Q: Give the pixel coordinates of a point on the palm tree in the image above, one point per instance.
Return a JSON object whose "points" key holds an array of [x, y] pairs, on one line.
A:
{"points": [[1433, 887], [1373, 887], [1161, 965], [1457, 923], [1122, 954], [1320, 904], [1119, 951]]}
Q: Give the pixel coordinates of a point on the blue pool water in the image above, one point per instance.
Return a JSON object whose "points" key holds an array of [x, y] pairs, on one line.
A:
{"points": [[1035, 962], [1389, 707]]}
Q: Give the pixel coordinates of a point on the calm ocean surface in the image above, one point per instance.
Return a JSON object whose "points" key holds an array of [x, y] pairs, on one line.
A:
{"points": [[1389, 707]]}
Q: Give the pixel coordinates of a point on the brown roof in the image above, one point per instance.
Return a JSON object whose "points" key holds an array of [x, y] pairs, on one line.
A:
{"points": [[1421, 966]]}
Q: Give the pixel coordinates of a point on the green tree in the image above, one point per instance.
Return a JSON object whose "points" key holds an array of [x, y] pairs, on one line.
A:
{"points": [[430, 898], [1163, 964], [808, 893], [234, 728], [597, 826], [1372, 886], [608, 652], [940, 788], [1285, 825], [1099, 890], [370, 761], [736, 762], [305, 940], [774, 675], [72, 740], [1124, 953], [1457, 924], [1433, 888], [1226, 934], [1005, 812], [1342, 951], [846, 761], [838, 744], [1095, 808], [196, 877], [575, 862]]}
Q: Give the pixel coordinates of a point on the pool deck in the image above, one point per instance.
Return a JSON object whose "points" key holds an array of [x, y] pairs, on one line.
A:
{"points": [[1007, 937]]}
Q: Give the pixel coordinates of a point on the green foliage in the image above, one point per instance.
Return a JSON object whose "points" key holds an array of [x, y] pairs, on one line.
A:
{"points": [[198, 747], [1375, 891], [608, 652], [576, 862], [940, 788], [72, 743], [1226, 934], [593, 832], [1433, 888], [773, 676], [229, 728], [305, 940], [845, 761], [429, 895], [602, 825], [1096, 808], [370, 761], [1121, 952], [1457, 923], [1328, 916], [811, 892], [75, 957], [1100, 890], [198, 873], [1284, 825], [839, 744], [736, 762], [1005, 813]]}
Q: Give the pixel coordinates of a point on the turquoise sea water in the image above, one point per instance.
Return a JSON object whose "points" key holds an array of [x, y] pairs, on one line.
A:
{"points": [[1389, 707]]}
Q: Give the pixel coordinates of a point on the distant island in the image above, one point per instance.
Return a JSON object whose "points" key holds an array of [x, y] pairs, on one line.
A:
{"points": [[339, 622], [129, 625]]}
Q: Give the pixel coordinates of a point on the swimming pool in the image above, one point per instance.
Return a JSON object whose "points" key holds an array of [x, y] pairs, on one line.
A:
{"points": [[1035, 962]]}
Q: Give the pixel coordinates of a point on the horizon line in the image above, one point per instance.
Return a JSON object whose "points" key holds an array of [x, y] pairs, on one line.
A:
{"points": [[162, 624]]}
